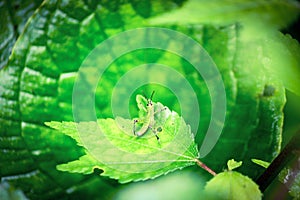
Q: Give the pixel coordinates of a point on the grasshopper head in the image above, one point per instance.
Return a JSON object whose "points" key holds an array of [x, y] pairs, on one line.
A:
{"points": [[149, 101]]}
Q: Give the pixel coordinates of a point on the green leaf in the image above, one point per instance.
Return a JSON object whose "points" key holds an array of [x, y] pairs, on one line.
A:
{"points": [[285, 62], [112, 147], [232, 164], [232, 185], [261, 162], [247, 83], [275, 13], [13, 16]]}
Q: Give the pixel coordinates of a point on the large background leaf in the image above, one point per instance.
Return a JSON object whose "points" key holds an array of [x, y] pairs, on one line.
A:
{"points": [[40, 92], [37, 87]]}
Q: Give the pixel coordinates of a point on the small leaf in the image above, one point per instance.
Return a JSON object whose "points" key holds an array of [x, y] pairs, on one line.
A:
{"points": [[232, 164], [112, 147], [232, 185], [261, 162]]}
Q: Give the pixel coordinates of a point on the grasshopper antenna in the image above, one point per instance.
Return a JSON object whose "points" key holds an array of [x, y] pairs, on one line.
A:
{"points": [[152, 95]]}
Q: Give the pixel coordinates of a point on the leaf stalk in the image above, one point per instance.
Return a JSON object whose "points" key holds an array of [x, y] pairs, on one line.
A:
{"points": [[203, 166]]}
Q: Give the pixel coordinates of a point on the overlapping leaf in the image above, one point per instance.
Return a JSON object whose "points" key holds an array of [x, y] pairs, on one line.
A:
{"points": [[111, 146]]}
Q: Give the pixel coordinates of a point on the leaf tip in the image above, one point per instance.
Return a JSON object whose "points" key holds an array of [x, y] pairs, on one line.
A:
{"points": [[260, 162], [232, 164]]}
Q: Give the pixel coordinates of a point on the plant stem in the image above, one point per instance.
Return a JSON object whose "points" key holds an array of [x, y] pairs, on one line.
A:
{"points": [[286, 155], [203, 166]]}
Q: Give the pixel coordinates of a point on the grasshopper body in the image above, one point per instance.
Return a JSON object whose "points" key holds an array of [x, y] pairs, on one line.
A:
{"points": [[148, 121]]}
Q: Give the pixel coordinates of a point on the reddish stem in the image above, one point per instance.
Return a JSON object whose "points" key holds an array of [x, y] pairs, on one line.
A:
{"points": [[203, 166]]}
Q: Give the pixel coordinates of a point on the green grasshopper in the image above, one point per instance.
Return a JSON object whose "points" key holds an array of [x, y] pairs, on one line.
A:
{"points": [[148, 121]]}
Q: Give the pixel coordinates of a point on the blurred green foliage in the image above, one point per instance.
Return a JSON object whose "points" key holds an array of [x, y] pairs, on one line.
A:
{"points": [[36, 84]]}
